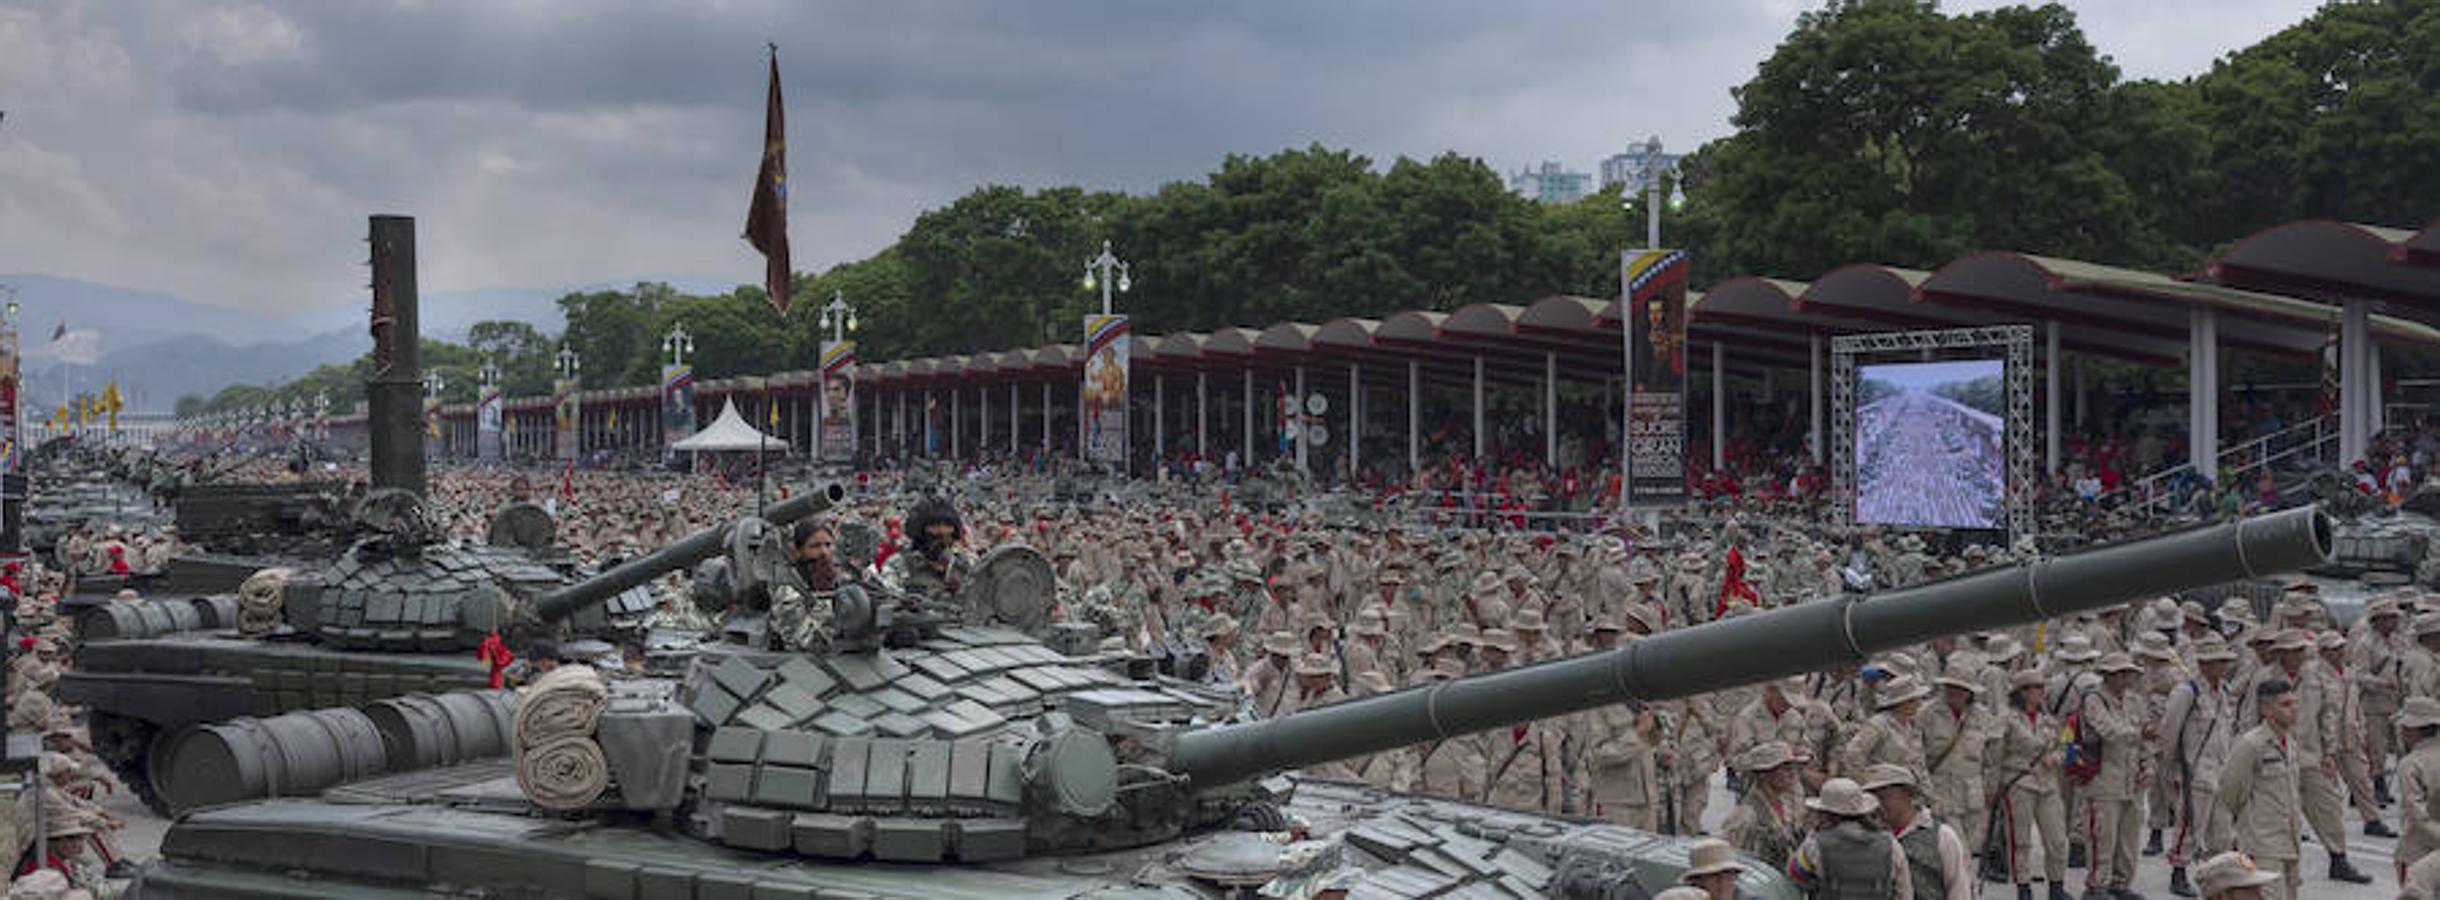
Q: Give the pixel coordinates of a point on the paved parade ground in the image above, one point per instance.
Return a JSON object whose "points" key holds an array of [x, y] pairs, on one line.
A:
{"points": [[142, 840]]}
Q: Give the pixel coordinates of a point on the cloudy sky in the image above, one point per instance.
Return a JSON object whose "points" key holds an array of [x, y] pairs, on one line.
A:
{"points": [[229, 152]]}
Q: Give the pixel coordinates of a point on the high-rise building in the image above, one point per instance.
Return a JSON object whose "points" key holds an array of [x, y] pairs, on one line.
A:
{"points": [[1628, 168], [1551, 183]]}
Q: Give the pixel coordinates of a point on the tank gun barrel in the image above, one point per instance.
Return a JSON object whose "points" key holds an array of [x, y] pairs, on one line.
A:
{"points": [[1791, 640], [685, 553]]}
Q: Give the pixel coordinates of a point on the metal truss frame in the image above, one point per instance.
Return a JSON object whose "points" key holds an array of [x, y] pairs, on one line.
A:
{"points": [[2017, 340]]}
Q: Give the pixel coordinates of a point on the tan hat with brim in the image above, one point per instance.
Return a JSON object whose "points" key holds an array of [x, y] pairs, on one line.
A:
{"points": [[1710, 856], [1886, 775], [1898, 691], [2230, 871], [1843, 797], [1765, 756], [2419, 712]]}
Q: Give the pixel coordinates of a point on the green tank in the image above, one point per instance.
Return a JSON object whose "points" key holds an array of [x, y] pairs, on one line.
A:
{"points": [[397, 614], [939, 747]]}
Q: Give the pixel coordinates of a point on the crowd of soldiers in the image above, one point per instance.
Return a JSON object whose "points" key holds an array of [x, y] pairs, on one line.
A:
{"points": [[114, 549], [2172, 729], [77, 857]]}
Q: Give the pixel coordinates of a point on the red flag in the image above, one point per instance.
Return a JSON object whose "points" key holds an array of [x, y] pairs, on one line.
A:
{"points": [[1734, 587], [767, 215], [567, 481]]}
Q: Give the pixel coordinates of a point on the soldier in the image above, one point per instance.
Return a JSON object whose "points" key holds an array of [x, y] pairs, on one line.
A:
{"points": [[1890, 736], [1781, 712], [2163, 669], [1220, 647], [1267, 681], [1766, 821], [2313, 734], [2112, 715], [2344, 695], [1316, 685], [2030, 803], [1451, 767], [1935, 854], [1958, 734], [2198, 732], [937, 564], [2260, 786], [1522, 760], [2419, 667], [1848, 855], [2418, 781], [1624, 760], [2376, 651]]}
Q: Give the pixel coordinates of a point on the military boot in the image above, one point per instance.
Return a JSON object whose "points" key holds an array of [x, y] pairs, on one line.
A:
{"points": [[2075, 856], [2151, 847], [2024, 892], [2380, 790], [2342, 870], [2059, 892], [2378, 828], [2178, 884]]}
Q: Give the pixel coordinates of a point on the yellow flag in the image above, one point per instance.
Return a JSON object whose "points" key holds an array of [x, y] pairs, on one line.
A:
{"points": [[613, 418], [773, 409], [111, 401]]}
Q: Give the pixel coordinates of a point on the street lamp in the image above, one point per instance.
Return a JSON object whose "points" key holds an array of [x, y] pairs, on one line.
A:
{"points": [[1654, 167], [839, 317], [433, 385], [491, 372], [567, 363], [1106, 262], [677, 343]]}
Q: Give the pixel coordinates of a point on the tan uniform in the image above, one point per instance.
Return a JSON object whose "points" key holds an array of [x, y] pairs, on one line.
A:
{"points": [[2197, 733], [1884, 738], [2030, 755], [1625, 770], [2418, 798], [1766, 825], [2376, 665], [1957, 745], [2260, 787], [1521, 767], [2116, 821]]}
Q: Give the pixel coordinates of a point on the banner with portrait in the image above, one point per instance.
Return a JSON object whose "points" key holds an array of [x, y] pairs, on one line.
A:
{"points": [[1652, 293], [1105, 388], [838, 438], [487, 423], [677, 404]]}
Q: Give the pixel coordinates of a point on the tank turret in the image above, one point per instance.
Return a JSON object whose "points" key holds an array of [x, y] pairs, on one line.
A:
{"points": [[943, 731]]}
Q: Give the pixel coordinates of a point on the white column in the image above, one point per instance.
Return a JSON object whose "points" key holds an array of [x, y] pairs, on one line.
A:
{"points": [[927, 421], [2354, 424], [2050, 397], [2202, 392], [1355, 420], [2376, 412], [957, 422], [982, 423], [2077, 366], [1203, 409], [1414, 418], [1478, 411], [1160, 420], [1080, 451], [1818, 439], [1296, 410], [1246, 436], [1550, 408], [1016, 418], [1719, 407], [1046, 421]]}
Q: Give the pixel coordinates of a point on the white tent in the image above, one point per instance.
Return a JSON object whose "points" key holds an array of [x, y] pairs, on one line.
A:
{"points": [[729, 432]]}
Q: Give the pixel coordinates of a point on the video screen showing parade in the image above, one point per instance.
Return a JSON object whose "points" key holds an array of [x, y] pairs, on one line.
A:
{"points": [[1931, 444]]}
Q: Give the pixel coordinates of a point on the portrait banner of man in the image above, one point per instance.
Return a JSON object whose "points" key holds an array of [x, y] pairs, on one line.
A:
{"points": [[487, 434], [838, 401], [677, 404], [1653, 288], [1105, 388]]}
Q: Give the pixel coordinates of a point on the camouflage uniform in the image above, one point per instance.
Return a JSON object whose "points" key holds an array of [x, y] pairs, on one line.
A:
{"points": [[907, 572], [800, 619]]}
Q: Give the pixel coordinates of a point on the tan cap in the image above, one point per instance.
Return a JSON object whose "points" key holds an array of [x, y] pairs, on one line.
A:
{"points": [[1316, 664], [2214, 650], [1499, 639], [1843, 797], [1220, 624], [2292, 639], [1968, 684], [1765, 756], [2076, 648], [2419, 712], [2120, 662], [2025, 679], [2330, 640], [1527, 619], [2229, 871], [1899, 690], [1281, 643], [1710, 856], [2427, 623], [1886, 775]]}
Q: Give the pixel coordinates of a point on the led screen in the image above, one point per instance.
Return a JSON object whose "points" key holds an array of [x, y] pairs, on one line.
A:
{"points": [[1931, 444]]}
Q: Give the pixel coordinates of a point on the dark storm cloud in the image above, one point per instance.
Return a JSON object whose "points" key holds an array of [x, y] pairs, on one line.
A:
{"points": [[228, 151]]}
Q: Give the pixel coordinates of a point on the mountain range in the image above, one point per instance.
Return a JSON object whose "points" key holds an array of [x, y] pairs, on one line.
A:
{"points": [[161, 347]]}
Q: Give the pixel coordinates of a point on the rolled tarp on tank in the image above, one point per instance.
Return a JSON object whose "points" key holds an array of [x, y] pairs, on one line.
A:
{"points": [[130, 621]]}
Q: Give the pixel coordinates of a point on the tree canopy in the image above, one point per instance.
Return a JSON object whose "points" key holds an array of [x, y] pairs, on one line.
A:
{"points": [[1879, 131]]}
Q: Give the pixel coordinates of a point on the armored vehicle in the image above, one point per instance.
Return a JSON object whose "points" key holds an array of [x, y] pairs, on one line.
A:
{"points": [[398, 613], [935, 747]]}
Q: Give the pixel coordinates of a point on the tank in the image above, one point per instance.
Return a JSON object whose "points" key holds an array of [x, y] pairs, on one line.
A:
{"points": [[938, 747], [399, 613]]}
